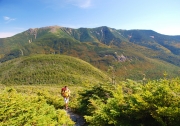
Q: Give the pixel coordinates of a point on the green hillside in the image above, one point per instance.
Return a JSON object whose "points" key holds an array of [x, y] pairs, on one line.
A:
{"points": [[133, 53], [154, 40], [50, 69]]}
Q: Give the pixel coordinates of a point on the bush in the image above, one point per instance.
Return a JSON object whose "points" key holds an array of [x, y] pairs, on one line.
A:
{"points": [[155, 103], [21, 109]]}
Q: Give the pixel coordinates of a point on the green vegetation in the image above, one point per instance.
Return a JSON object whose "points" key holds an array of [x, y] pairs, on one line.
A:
{"points": [[131, 103], [134, 104], [50, 69], [31, 106], [146, 51], [133, 80]]}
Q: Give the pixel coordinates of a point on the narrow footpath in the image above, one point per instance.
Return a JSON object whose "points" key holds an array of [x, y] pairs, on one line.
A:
{"points": [[78, 119]]}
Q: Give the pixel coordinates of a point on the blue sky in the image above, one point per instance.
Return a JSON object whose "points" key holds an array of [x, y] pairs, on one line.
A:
{"points": [[162, 16]]}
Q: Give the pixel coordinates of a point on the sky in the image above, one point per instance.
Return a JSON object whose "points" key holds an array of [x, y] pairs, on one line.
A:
{"points": [[162, 16]]}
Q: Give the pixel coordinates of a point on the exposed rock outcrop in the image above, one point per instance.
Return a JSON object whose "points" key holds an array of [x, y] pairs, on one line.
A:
{"points": [[120, 58]]}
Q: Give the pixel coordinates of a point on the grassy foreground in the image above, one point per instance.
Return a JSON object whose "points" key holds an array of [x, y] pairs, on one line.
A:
{"points": [[128, 103]]}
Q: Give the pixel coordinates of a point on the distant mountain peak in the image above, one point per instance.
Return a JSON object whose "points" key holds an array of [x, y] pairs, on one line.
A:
{"points": [[97, 46], [32, 31], [47, 27], [53, 29]]}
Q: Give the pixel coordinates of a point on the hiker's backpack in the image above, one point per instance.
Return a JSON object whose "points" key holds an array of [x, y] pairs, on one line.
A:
{"points": [[65, 92]]}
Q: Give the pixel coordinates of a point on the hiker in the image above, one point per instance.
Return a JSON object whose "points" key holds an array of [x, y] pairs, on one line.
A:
{"points": [[65, 93]]}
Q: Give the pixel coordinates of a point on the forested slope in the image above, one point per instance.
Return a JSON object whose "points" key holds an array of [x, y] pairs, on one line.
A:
{"points": [[50, 69]]}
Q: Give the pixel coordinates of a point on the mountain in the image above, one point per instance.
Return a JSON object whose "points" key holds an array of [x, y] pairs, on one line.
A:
{"points": [[132, 53], [50, 69]]}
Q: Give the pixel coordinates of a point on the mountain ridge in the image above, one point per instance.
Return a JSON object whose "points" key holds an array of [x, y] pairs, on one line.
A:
{"points": [[101, 46]]}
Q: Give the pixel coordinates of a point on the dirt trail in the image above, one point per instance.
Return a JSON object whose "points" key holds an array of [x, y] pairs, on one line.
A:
{"points": [[80, 121]]}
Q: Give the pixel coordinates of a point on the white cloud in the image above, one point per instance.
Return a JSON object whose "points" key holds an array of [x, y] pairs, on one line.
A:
{"points": [[86, 4], [81, 3], [62, 3], [8, 19], [6, 34], [173, 30]]}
